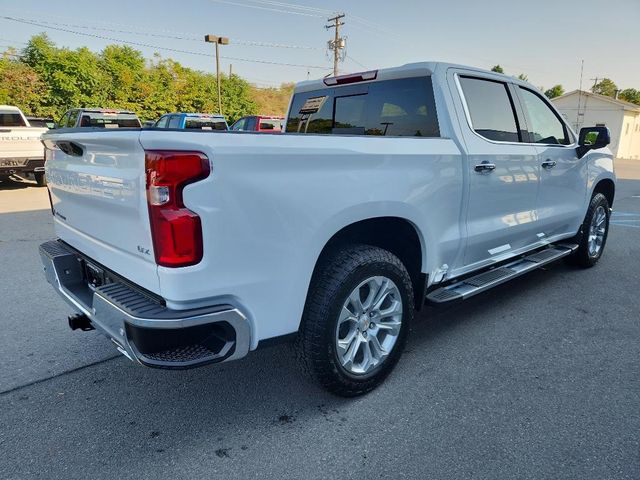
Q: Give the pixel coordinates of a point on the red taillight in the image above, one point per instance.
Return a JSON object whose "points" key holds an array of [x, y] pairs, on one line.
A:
{"points": [[176, 230]]}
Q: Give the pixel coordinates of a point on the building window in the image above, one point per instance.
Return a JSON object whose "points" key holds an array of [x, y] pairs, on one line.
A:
{"points": [[626, 131]]}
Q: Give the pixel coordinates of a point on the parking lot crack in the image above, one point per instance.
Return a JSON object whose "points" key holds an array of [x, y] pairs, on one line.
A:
{"points": [[58, 375]]}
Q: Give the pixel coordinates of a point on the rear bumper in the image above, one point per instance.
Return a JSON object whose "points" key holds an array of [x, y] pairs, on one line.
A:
{"points": [[21, 166], [138, 323]]}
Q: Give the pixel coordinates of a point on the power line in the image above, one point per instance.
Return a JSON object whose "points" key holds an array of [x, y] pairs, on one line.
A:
{"points": [[229, 2], [184, 37], [169, 49]]}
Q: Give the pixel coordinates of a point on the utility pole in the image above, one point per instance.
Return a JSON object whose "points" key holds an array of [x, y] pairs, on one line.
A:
{"points": [[595, 82], [218, 41], [338, 43]]}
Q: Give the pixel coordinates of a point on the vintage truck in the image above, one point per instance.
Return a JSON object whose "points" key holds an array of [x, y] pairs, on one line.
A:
{"points": [[21, 151], [430, 182]]}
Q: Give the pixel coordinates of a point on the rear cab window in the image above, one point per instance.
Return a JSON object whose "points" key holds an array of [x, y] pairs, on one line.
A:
{"points": [[205, 123], [393, 108], [11, 119], [109, 120]]}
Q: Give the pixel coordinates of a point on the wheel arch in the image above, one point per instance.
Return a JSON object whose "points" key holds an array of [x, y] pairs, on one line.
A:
{"points": [[607, 187], [396, 234]]}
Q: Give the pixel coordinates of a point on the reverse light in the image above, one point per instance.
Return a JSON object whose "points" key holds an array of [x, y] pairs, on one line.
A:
{"points": [[176, 231]]}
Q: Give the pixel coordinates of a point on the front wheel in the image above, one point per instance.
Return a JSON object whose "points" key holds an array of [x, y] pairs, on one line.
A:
{"points": [[356, 319], [595, 230]]}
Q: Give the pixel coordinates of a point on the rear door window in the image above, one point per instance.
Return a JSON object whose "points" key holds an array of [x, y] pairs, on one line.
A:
{"points": [[250, 126], [491, 109], [174, 121], [400, 108]]}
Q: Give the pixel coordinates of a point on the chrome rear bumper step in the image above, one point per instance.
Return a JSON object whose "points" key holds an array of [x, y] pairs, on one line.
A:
{"points": [[470, 286]]}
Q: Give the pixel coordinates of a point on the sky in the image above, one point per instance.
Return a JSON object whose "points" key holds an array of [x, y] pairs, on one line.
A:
{"points": [[275, 41]]}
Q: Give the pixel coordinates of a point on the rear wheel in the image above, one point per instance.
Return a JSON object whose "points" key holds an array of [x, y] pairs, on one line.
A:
{"points": [[595, 230], [356, 319], [41, 180]]}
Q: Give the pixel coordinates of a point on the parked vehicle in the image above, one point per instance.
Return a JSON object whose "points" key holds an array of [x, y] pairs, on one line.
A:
{"points": [[42, 122], [259, 123], [428, 182], [192, 121], [21, 151], [98, 118]]}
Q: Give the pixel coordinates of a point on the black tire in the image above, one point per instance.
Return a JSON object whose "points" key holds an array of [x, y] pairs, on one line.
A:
{"points": [[582, 257], [41, 180], [335, 278]]}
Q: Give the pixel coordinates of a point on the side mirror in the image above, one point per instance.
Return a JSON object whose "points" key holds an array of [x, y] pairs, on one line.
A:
{"points": [[592, 138]]}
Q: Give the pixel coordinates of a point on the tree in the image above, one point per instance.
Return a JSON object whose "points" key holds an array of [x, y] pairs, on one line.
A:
{"points": [[47, 80], [605, 87], [20, 85], [497, 69], [630, 95], [523, 77], [554, 91]]}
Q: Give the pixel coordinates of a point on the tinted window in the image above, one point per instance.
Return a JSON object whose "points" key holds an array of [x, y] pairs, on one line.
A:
{"points": [[71, 121], [162, 123], [250, 125], [403, 107], [109, 120], [271, 124], [11, 120], [491, 109], [545, 127], [239, 125], [174, 121], [195, 123]]}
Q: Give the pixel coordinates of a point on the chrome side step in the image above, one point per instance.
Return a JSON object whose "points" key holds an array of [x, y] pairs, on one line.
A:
{"points": [[478, 283]]}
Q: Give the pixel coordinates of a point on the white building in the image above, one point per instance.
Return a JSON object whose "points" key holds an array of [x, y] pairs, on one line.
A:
{"points": [[586, 109]]}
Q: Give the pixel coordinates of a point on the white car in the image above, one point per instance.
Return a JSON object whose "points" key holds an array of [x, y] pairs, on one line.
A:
{"points": [[429, 182], [21, 151]]}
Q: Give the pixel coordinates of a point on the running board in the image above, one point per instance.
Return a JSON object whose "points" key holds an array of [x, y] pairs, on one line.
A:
{"points": [[471, 286]]}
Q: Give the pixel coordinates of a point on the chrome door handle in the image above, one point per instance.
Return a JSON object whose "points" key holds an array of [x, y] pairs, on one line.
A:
{"points": [[484, 167], [548, 164]]}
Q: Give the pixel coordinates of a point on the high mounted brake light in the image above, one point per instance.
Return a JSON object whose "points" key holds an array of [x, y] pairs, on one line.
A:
{"points": [[176, 231], [352, 78]]}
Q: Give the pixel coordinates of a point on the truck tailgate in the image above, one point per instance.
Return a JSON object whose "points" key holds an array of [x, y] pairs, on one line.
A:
{"points": [[21, 142], [98, 192]]}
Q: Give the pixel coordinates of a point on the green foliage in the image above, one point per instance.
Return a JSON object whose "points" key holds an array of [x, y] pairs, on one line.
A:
{"points": [[605, 87], [554, 91], [497, 69], [47, 80], [630, 95], [273, 101], [523, 77]]}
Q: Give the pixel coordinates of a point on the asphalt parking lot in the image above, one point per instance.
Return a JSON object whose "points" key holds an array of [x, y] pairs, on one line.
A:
{"points": [[540, 379]]}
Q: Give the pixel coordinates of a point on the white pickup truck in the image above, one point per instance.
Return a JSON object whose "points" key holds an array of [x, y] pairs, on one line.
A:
{"points": [[21, 151], [429, 182]]}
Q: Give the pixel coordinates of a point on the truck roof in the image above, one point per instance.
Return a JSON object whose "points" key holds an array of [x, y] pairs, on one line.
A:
{"points": [[199, 115], [407, 70], [105, 110], [9, 108]]}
